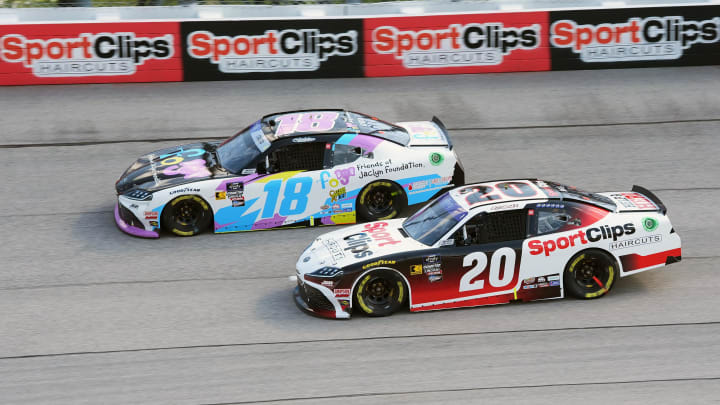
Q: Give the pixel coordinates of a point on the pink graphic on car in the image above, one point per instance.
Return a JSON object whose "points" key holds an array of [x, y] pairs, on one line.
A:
{"points": [[189, 169], [305, 122], [344, 175], [368, 143], [276, 220]]}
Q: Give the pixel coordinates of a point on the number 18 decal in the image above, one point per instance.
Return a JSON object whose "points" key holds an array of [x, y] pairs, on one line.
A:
{"points": [[305, 122], [501, 273]]}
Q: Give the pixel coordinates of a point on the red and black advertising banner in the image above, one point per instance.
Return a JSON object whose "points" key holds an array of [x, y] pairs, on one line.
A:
{"points": [[90, 53], [635, 37], [272, 49], [454, 44]]}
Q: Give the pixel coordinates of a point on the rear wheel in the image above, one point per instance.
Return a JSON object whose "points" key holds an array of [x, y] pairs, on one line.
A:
{"points": [[380, 293], [380, 200], [590, 274], [186, 215]]}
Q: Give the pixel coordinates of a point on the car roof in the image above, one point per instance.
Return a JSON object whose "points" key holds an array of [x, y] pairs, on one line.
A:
{"points": [[478, 195], [343, 123]]}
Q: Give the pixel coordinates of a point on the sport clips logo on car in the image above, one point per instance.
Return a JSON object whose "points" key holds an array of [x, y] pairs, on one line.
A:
{"points": [[459, 45], [581, 237], [274, 51], [652, 38], [358, 243], [104, 54]]}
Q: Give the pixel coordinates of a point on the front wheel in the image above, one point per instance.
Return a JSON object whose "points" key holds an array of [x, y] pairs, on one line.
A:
{"points": [[380, 293], [380, 200], [590, 274], [186, 215]]}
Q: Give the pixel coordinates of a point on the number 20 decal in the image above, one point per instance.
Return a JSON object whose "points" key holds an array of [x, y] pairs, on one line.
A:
{"points": [[496, 278]]}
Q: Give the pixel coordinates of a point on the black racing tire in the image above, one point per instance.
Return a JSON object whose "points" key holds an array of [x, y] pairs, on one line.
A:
{"points": [[380, 200], [590, 274], [187, 215], [380, 293]]}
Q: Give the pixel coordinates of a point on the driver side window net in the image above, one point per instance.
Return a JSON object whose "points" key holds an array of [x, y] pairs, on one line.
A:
{"points": [[303, 156], [496, 227]]}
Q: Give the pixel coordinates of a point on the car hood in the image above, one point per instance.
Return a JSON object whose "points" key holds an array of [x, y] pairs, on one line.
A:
{"points": [[358, 244], [170, 167]]}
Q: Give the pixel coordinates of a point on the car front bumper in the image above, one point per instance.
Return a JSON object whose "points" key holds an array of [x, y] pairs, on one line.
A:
{"points": [[126, 227], [317, 300]]}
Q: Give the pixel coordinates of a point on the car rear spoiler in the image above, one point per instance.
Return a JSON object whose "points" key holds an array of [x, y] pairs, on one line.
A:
{"points": [[647, 193], [440, 124]]}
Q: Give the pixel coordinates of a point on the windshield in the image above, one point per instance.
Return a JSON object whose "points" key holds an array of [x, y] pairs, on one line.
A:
{"points": [[239, 151], [435, 220]]}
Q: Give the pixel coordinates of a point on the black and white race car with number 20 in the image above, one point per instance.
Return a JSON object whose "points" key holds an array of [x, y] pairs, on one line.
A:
{"points": [[488, 243]]}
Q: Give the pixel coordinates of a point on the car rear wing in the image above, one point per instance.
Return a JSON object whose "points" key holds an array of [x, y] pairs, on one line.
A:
{"points": [[649, 194], [639, 199], [427, 133], [442, 127]]}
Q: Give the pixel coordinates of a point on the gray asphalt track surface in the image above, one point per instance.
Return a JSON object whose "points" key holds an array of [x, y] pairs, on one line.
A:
{"points": [[89, 315]]}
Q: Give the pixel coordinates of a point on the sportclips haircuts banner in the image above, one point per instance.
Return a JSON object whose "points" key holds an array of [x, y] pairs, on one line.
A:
{"points": [[635, 37], [89, 53], [451, 44], [270, 49]]}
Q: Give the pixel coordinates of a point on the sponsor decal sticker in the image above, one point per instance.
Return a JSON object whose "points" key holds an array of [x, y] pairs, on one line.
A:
{"points": [[416, 269], [554, 283], [649, 224], [436, 159], [341, 292], [235, 186], [379, 169], [435, 278], [643, 240], [185, 190], [235, 191], [151, 215], [378, 263], [432, 265], [334, 248], [359, 243], [220, 195], [337, 194], [581, 237], [504, 207], [418, 185]]}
